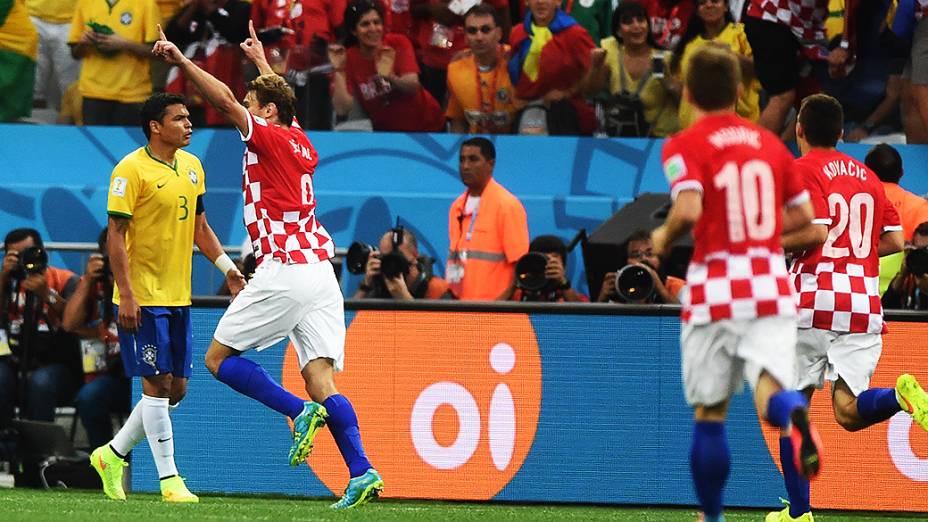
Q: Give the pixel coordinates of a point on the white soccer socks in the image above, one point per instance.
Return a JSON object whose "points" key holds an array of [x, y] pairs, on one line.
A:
{"points": [[131, 433], [160, 434]]}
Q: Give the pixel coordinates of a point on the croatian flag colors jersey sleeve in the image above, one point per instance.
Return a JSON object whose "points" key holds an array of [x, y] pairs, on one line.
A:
{"points": [[745, 176], [838, 283], [280, 205]]}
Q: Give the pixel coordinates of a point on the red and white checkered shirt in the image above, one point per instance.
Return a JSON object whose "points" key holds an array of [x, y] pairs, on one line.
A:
{"points": [[838, 283], [280, 205], [806, 18], [745, 176]]}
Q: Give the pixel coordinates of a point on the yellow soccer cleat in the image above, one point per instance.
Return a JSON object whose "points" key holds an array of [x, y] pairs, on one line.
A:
{"points": [[912, 399], [109, 466], [173, 489], [784, 516]]}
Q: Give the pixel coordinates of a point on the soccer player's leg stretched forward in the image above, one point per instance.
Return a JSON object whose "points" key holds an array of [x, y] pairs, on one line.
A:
{"points": [[306, 306]]}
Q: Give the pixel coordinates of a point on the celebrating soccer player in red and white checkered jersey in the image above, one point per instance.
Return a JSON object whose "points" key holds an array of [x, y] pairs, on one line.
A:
{"points": [[837, 279]]}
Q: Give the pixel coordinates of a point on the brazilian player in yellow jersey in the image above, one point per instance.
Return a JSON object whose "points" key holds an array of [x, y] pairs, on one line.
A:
{"points": [[156, 215]]}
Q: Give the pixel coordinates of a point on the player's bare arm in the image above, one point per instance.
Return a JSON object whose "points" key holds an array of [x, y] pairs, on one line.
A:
{"points": [[685, 212], [129, 316], [205, 239], [214, 91], [890, 243], [254, 51], [799, 233]]}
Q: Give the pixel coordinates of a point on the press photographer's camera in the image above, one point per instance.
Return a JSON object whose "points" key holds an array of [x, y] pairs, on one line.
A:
{"points": [[32, 260], [530, 274], [392, 264], [916, 261], [634, 283]]}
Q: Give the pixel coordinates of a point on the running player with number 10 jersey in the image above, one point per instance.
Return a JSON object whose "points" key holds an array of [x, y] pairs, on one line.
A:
{"points": [[732, 183], [837, 282]]}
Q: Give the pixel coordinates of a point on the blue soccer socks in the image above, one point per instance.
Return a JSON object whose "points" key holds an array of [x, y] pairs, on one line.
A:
{"points": [[797, 486], [343, 423], [710, 461], [877, 404], [781, 406], [249, 378]]}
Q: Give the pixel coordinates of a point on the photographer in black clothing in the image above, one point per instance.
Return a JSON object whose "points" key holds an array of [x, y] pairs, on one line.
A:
{"points": [[909, 289], [39, 362], [395, 270]]}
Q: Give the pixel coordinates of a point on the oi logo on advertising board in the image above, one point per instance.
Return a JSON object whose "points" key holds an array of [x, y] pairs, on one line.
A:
{"points": [[447, 403], [891, 457]]}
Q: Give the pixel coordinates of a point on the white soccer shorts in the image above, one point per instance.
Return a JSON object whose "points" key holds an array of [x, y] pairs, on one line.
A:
{"points": [[299, 301], [824, 354], [719, 356]]}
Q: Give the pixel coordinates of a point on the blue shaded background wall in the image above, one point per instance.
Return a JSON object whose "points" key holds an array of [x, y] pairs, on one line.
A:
{"points": [[55, 178]]}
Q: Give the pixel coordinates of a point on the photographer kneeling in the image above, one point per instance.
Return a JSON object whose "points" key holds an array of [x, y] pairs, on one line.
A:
{"points": [[33, 347], [909, 289], [540, 274], [395, 270], [640, 281], [89, 314]]}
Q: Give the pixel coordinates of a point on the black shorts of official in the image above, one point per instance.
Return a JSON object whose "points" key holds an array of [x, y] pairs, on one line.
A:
{"points": [[776, 52]]}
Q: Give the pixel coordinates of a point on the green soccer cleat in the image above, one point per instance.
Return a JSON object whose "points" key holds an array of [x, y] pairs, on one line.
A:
{"points": [[360, 490], [912, 399], [784, 516], [305, 427], [109, 466], [173, 489]]}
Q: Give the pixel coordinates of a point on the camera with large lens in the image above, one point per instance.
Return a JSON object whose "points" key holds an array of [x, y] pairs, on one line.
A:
{"points": [[392, 264], [633, 283], [32, 260], [530, 275], [916, 261]]}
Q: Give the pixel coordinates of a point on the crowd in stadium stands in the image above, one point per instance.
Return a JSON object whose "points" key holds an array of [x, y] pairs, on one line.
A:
{"points": [[574, 67]]}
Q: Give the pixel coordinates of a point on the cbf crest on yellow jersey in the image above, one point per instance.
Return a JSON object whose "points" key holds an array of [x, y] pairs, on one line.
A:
{"points": [[160, 201]]}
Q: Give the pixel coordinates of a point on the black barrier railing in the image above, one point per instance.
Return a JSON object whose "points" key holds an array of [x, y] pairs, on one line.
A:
{"points": [[906, 316]]}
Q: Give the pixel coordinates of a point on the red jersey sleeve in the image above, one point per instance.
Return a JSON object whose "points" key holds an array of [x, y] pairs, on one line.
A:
{"points": [[680, 168], [259, 133], [815, 186]]}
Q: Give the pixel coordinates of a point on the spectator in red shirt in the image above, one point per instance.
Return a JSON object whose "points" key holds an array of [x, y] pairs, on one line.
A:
{"points": [[550, 57], [380, 72]]}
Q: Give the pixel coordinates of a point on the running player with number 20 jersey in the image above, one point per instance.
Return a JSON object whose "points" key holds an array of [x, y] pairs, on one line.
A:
{"points": [[837, 282], [732, 183]]}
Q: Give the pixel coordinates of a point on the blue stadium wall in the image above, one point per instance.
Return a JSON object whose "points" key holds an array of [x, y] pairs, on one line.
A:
{"points": [[529, 406], [54, 178]]}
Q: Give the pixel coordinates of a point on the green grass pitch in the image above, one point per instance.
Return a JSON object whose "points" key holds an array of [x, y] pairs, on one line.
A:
{"points": [[80, 506]]}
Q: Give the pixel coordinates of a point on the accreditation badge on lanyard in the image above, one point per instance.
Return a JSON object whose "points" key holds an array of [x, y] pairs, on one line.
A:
{"points": [[454, 270]]}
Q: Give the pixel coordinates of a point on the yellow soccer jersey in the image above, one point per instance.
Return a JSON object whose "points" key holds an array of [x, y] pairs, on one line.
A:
{"points": [[160, 201], [124, 76]]}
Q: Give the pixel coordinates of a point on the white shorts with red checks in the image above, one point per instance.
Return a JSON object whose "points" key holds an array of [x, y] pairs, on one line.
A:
{"points": [[824, 354], [718, 357]]}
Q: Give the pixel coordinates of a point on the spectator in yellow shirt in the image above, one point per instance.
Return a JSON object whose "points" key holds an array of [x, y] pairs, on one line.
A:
{"points": [[18, 43], [115, 44], [712, 23], [56, 69]]}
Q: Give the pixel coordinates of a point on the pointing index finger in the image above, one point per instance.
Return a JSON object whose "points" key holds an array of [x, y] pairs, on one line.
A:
{"points": [[161, 33], [251, 30]]}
